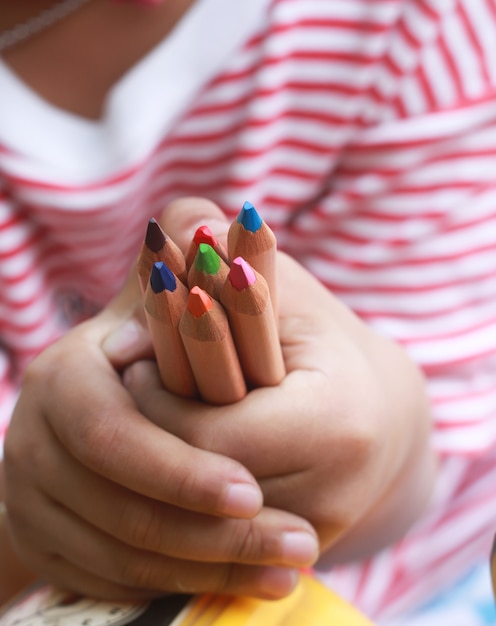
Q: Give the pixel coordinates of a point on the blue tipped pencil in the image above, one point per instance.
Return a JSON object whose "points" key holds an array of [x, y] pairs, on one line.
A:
{"points": [[250, 237], [165, 300]]}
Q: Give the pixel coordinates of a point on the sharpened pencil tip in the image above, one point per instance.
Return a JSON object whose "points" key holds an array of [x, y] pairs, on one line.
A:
{"points": [[203, 234], [241, 274], [155, 236], [249, 218], [161, 278], [207, 260], [199, 302]]}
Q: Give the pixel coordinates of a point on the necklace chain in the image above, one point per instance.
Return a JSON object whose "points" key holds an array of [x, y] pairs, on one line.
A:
{"points": [[39, 22]]}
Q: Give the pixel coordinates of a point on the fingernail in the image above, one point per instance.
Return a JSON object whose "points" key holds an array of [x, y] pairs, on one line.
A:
{"points": [[277, 582], [123, 339], [299, 548], [242, 500]]}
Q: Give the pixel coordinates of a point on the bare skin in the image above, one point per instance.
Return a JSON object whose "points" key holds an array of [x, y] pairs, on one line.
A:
{"points": [[344, 469], [338, 443], [100, 43]]}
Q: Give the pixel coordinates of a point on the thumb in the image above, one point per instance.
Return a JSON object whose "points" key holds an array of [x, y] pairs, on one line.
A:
{"points": [[126, 338], [182, 217]]}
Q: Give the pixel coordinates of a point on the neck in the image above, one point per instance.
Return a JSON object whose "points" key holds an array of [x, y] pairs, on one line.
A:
{"points": [[63, 69]]}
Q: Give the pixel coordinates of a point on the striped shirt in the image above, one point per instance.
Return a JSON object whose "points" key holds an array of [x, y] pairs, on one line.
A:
{"points": [[364, 131]]}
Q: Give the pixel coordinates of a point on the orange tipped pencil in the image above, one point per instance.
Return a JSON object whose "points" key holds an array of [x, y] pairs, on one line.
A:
{"points": [[206, 335], [246, 298], [208, 271], [165, 300], [158, 247], [203, 234], [251, 238]]}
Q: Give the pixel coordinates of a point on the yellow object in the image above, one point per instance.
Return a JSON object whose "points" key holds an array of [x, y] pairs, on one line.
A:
{"points": [[310, 604]]}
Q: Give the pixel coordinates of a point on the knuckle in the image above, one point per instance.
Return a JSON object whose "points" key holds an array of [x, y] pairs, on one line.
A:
{"points": [[93, 440], [201, 436], [252, 545], [226, 579], [247, 546], [182, 483], [139, 572], [189, 486], [141, 526]]}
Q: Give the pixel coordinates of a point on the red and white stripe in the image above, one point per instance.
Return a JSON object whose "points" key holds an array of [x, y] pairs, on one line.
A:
{"points": [[364, 132]]}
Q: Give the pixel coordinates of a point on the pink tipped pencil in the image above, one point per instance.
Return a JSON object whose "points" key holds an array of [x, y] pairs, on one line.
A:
{"points": [[246, 299], [250, 237]]}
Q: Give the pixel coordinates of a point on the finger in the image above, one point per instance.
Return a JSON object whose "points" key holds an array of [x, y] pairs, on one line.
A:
{"points": [[249, 431], [112, 438], [95, 554], [128, 338], [272, 537], [120, 328], [182, 217], [67, 576]]}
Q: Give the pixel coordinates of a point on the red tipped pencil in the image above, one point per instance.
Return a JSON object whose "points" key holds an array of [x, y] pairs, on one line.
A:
{"points": [[251, 238], [246, 298], [206, 335], [208, 271], [203, 234], [156, 247], [165, 301]]}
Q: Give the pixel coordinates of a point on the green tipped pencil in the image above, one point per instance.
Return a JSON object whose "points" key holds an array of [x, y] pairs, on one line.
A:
{"points": [[208, 271]]}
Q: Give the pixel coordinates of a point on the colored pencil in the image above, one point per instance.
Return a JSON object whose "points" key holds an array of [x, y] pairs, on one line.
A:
{"points": [[165, 301], [203, 234], [208, 271], [246, 298], [251, 238], [206, 335], [156, 247]]}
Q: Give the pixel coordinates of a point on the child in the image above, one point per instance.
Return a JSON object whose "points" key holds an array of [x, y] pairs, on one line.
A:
{"points": [[362, 132]]}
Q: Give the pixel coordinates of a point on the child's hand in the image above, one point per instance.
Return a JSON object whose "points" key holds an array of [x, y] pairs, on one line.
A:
{"points": [[104, 502], [343, 441]]}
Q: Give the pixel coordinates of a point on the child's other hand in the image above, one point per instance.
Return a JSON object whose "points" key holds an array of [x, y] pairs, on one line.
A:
{"points": [[106, 503], [342, 441]]}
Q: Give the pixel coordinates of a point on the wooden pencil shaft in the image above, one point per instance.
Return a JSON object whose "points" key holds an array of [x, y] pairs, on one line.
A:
{"points": [[212, 355], [259, 248], [163, 311], [255, 337], [254, 329]]}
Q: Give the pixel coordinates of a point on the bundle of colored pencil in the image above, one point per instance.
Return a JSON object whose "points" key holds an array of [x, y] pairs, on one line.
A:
{"points": [[212, 314]]}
